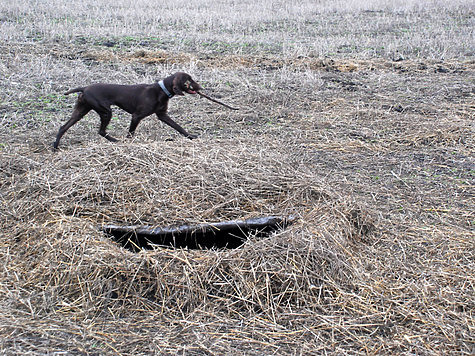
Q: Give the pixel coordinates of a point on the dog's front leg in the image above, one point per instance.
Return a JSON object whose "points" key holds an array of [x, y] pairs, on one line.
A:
{"points": [[167, 120], [136, 118]]}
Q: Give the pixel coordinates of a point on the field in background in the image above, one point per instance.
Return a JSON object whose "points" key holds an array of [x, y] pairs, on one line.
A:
{"points": [[355, 116]]}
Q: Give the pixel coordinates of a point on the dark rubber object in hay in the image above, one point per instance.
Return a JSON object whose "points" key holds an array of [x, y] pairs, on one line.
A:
{"points": [[226, 234]]}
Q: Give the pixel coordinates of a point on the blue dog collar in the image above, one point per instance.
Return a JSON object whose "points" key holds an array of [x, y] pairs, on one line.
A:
{"points": [[165, 90]]}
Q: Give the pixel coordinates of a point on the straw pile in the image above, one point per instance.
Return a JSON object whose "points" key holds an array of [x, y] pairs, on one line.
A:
{"points": [[60, 268]]}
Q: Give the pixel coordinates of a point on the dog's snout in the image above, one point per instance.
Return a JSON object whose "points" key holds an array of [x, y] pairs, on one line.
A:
{"points": [[195, 86], [190, 86]]}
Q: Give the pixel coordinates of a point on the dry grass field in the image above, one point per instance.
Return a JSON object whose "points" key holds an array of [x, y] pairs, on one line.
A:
{"points": [[357, 117]]}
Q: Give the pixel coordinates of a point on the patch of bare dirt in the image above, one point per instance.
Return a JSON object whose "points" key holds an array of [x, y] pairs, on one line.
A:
{"points": [[232, 61]]}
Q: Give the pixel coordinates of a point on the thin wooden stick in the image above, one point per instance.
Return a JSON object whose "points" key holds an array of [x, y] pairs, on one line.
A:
{"points": [[216, 101]]}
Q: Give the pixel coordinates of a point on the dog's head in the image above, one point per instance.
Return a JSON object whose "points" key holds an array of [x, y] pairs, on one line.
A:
{"points": [[183, 82]]}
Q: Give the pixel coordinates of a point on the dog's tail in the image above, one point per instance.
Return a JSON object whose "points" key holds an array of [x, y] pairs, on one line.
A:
{"points": [[77, 90]]}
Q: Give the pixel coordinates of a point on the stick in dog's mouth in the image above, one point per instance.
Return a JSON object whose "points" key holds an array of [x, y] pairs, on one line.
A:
{"points": [[216, 101]]}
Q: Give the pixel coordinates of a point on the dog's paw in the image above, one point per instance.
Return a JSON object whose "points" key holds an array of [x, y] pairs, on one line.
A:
{"points": [[191, 137]]}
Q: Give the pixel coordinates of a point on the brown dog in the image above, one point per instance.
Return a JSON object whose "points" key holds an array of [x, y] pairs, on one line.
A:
{"points": [[139, 100]]}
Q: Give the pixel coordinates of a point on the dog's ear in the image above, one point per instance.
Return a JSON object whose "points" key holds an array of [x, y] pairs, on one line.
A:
{"points": [[177, 86]]}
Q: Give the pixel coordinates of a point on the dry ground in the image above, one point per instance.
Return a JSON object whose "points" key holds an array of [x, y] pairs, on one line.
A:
{"points": [[356, 118]]}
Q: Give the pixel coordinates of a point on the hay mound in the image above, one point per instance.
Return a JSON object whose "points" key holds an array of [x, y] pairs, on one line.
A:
{"points": [[60, 262]]}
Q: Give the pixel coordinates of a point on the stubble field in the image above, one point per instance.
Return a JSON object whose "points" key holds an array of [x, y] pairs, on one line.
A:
{"points": [[355, 117]]}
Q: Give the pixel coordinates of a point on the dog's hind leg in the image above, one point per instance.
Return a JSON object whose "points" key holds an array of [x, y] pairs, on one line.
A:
{"points": [[80, 110], [106, 116]]}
